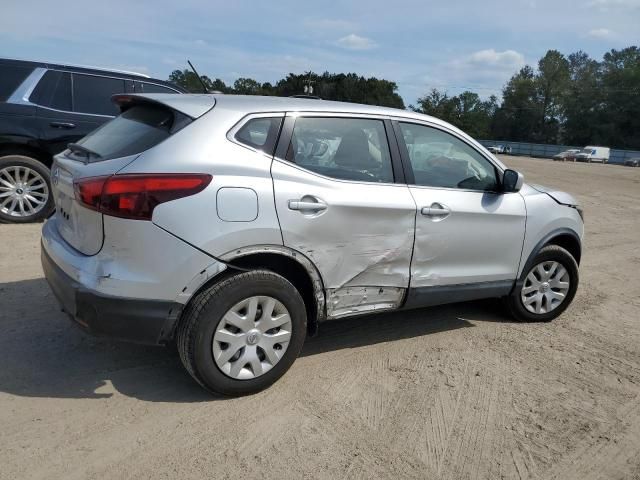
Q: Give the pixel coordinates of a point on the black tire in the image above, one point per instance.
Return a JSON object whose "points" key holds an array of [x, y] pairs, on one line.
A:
{"points": [[44, 172], [202, 316], [555, 253]]}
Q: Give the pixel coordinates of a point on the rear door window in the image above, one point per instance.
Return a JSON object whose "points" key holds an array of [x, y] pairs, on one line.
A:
{"points": [[342, 148], [53, 91], [11, 76], [136, 130], [92, 94]]}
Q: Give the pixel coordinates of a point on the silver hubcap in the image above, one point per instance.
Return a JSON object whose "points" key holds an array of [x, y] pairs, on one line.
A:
{"points": [[545, 287], [23, 191], [252, 337]]}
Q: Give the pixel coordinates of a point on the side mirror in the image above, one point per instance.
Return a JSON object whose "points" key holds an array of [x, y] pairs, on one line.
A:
{"points": [[512, 181]]}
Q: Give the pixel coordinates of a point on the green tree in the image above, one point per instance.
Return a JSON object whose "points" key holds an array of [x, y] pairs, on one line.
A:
{"points": [[246, 86], [620, 117], [189, 81], [519, 114], [582, 101], [551, 81], [466, 111]]}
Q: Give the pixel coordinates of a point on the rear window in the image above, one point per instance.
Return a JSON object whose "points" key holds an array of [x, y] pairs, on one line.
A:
{"points": [[10, 78], [53, 91], [136, 130], [92, 94], [260, 133]]}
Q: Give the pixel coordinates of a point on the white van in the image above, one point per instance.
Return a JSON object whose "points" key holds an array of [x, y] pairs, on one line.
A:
{"points": [[593, 154]]}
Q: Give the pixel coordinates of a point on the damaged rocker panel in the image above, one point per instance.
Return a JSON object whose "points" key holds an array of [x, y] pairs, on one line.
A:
{"points": [[348, 301]]}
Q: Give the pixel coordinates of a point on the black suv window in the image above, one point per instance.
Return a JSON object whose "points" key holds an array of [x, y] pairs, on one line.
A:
{"points": [[53, 91], [144, 87], [10, 78], [92, 94], [260, 133], [343, 148]]}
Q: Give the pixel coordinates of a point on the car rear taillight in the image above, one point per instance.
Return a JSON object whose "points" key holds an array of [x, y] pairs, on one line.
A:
{"points": [[135, 196]]}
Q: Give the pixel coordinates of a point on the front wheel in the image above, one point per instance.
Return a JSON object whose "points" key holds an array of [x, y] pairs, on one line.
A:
{"points": [[242, 334], [546, 287], [25, 190]]}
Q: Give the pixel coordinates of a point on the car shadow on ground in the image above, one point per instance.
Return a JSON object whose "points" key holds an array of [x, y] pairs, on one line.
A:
{"points": [[44, 355]]}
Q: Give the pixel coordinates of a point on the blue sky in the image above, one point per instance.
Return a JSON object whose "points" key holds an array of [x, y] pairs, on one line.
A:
{"points": [[450, 45]]}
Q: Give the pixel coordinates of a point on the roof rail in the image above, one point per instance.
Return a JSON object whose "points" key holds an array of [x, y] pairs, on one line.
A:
{"points": [[88, 67]]}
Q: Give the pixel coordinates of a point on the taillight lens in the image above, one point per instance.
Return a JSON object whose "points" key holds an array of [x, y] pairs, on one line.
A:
{"points": [[135, 196]]}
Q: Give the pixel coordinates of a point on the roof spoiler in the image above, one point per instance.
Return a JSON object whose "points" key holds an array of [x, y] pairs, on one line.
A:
{"points": [[193, 106]]}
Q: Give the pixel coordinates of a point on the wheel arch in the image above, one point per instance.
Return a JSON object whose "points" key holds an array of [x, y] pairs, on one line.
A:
{"points": [[16, 148], [563, 237], [289, 263]]}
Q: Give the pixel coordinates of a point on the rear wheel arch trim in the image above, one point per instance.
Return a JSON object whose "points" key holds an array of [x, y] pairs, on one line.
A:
{"points": [[304, 261]]}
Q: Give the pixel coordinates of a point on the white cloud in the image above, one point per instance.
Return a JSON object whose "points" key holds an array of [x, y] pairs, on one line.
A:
{"points": [[356, 42], [600, 33], [509, 59]]}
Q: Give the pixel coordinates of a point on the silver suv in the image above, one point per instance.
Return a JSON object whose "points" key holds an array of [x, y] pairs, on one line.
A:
{"points": [[235, 225]]}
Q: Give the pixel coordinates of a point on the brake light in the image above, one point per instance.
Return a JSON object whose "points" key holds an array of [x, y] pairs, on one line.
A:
{"points": [[135, 196]]}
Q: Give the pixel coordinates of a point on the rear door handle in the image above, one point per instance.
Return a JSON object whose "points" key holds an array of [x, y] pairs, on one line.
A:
{"points": [[303, 206], [436, 210], [64, 125]]}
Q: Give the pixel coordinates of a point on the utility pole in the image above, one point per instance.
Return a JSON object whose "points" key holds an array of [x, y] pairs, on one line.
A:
{"points": [[308, 85]]}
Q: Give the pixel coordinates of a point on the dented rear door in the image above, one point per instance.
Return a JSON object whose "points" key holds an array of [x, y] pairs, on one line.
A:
{"points": [[337, 204]]}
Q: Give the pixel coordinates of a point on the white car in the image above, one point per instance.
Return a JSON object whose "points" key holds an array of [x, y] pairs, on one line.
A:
{"points": [[234, 225]]}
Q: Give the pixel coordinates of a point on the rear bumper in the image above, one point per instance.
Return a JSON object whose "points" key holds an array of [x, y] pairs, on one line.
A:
{"points": [[135, 320], [135, 287]]}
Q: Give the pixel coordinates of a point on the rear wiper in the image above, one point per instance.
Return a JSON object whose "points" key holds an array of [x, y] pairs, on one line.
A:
{"points": [[77, 148]]}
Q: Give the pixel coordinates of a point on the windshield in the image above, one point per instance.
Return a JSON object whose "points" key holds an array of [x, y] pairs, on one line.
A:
{"points": [[136, 130]]}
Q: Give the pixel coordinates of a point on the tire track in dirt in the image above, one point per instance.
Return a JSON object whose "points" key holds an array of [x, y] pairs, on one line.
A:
{"points": [[609, 453]]}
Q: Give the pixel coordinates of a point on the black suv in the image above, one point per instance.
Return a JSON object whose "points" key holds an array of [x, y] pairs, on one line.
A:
{"points": [[43, 107]]}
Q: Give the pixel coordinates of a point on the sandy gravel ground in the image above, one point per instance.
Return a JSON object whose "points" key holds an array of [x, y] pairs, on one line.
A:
{"points": [[452, 392]]}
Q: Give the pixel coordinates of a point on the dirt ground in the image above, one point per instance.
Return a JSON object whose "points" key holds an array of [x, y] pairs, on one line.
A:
{"points": [[451, 392]]}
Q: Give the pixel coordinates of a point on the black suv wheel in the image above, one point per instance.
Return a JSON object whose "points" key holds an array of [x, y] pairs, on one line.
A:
{"points": [[25, 190]]}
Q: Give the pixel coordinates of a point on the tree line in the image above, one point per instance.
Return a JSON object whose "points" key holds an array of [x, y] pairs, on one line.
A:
{"points": [[342, 87], [571, 100]]}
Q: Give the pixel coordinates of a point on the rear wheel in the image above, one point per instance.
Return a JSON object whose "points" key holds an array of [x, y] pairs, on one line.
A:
{"points": [[546, 288], [25, 190], [242, 334]]}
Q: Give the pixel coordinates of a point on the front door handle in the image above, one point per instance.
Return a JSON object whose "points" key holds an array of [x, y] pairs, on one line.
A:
{"points": [[306, 206], [436, 210], [64, 125]]}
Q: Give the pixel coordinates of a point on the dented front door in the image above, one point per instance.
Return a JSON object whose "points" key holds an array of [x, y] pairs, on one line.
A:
{"points": [[358, 233]]}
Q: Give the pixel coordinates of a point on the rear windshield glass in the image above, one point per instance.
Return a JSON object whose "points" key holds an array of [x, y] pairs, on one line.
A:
{"points": [[136, 130]]}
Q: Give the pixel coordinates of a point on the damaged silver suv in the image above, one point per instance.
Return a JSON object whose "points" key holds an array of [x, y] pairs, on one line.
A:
{"points": [[234, 225]]}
